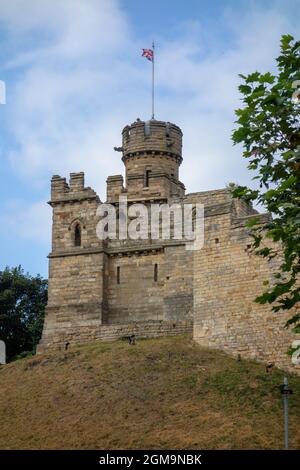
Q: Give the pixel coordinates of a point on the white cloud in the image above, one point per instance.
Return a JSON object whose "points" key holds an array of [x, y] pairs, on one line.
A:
{"points": [[73, 90], [31, 222], [69, 28], [206, 111]]}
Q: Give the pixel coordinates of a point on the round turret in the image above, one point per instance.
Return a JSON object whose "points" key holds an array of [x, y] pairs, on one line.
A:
{"points": [[152, 137], [151, 152]]}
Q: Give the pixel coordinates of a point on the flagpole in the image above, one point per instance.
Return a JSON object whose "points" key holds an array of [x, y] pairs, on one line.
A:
{"points": [[153, 81]]}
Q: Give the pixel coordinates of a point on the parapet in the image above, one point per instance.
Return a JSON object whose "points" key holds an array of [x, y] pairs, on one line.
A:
{"points": [[152, 137], [77, 181], [59, 187], [61, 191], [114, 187]]}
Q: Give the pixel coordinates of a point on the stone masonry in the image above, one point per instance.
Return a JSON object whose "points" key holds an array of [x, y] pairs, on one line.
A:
{"points": [[106, 289]]}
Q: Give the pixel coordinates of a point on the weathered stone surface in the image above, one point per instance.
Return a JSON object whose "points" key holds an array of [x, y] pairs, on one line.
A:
{"points": [[108, 289], [100, 289], [228, 276], [57, 338]]}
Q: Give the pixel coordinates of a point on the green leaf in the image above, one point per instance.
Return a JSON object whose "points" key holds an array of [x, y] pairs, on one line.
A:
{"points": [[253, 77], [267, 78], [245, 89], [286, 40], [267, 126]]}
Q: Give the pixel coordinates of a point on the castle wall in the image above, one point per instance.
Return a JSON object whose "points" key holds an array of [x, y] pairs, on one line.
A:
{"points": [[152, 136], [228, 276], [178, 296], [87, 333], [137, 296], [76, 295], [155, 148], [109, 289], [85, 294], [163, 177]]}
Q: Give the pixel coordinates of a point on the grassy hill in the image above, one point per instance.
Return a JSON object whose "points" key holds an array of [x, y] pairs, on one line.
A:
{"points": [[160, 393]]}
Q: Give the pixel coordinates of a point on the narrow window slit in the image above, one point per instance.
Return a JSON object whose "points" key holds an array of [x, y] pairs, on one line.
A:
{"points": [[147, 176], [155, 272], [77, 235]]}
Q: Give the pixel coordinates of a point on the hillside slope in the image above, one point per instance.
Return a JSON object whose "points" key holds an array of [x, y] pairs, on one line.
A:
{"points": [[160, 393]]}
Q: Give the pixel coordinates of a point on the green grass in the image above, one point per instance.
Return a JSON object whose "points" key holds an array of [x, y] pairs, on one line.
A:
{"points": [[159, 394]]}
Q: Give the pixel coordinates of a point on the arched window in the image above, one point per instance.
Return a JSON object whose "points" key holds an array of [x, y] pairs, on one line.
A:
{"points": [[77, 235]]}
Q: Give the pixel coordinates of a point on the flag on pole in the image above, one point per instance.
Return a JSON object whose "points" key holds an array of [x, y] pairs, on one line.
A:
{"points": [[149, 54]]}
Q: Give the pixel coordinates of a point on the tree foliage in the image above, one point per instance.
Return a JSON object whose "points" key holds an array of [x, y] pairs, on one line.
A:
{"points": [[22, 305], [268, 127]]}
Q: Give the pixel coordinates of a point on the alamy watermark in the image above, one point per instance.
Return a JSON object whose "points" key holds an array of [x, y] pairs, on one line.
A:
{"points": [[152, 221]]}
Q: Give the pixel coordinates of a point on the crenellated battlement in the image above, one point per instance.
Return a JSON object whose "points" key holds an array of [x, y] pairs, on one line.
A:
{"points": [[61, 191], [100, 289], [152, 137], [152, 153], [59, 187], [114, 187]]}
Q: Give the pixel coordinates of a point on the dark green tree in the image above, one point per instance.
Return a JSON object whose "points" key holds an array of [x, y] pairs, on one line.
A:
{"points": [[22, 307], [268, 127]]}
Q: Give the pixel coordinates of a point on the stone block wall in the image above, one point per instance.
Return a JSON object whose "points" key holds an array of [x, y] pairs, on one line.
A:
{"points": [[133, 293], [228, 276], [76, 295], [152, 156], [153, 284], [114, 188], [178, 295], [85, 334], [108, 289], [152, 136], [162, 177]]}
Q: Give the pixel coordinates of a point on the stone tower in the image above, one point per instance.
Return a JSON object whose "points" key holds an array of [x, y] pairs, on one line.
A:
{"points": [[105, 289], [152, 154]]}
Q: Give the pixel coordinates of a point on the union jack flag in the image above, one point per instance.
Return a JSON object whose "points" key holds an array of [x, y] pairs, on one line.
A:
{"points": [[149, 54]]}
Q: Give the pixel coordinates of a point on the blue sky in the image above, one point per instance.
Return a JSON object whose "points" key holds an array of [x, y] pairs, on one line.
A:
{"points": [[75, 77]]}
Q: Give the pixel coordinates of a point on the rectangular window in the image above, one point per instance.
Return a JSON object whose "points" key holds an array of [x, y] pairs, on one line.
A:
{"points": [[155, 272], [118, 275], [147, 176]]}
